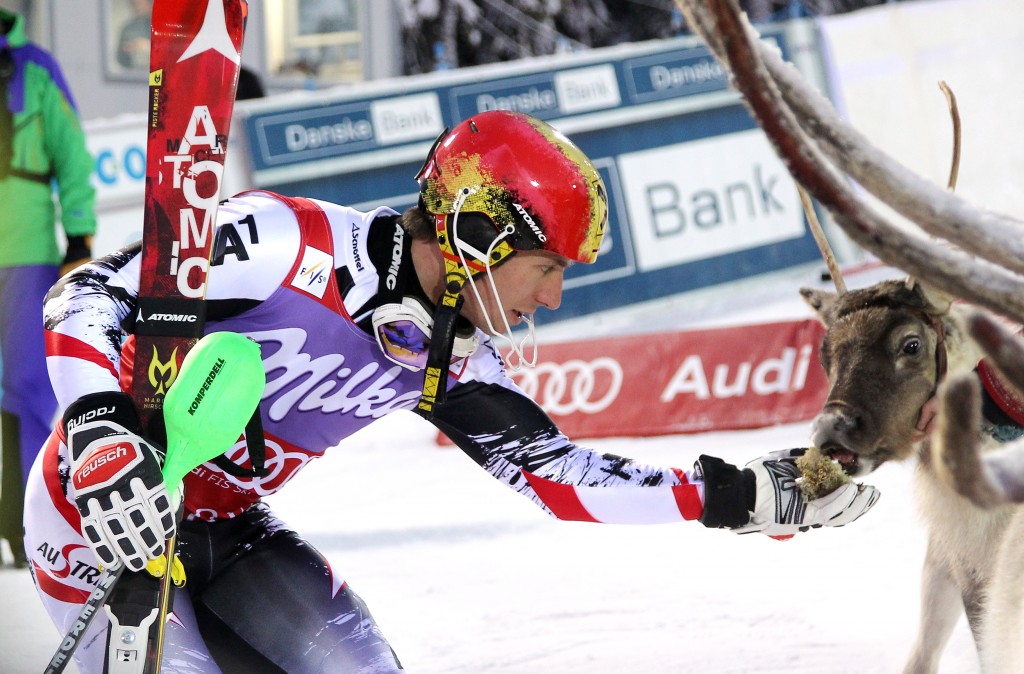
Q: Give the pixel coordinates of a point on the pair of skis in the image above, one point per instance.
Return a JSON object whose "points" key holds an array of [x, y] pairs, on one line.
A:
{"points": [[195, 56]]}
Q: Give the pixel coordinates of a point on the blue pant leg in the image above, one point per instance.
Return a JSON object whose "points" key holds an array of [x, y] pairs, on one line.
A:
{"points": [[27, 394]]}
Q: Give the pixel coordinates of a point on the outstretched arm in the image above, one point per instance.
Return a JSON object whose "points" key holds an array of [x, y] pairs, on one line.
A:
{"points": [[514, 440], [508, 435]]}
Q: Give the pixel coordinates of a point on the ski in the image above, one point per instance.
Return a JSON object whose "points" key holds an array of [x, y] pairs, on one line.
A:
{"points": [[195, 56], [202, 421], [69, 644]]}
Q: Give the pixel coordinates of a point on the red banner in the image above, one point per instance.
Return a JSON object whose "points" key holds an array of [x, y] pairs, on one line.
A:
{"points": [[681, 382]]}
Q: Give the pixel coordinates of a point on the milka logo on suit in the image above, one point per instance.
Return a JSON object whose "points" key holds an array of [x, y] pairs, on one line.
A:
{"points": [[297, 381]]}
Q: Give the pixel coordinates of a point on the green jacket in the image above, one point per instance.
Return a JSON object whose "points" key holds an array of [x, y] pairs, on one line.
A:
{"points": [[47, 141]]}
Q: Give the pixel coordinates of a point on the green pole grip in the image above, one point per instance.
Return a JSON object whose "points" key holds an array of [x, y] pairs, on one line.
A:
{"points": [[209, 404]]}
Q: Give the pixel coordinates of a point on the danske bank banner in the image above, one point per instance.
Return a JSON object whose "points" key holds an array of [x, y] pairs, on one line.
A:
{"points": [[697, 197]]}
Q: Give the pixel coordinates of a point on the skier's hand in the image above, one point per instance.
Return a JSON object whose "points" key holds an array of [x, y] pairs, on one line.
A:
{"points": [[780, 508], [765, 498], [116, 481]]}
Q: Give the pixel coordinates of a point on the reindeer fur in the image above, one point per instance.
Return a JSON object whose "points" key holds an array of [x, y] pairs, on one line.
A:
{"points": [[970, 252], [876, 394]]}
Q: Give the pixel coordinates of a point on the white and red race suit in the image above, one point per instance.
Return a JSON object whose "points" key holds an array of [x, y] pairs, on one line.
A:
{"points": [[270, 279]]}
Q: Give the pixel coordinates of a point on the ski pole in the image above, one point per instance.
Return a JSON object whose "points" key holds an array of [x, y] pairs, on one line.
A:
{"points": [[204, 417]]}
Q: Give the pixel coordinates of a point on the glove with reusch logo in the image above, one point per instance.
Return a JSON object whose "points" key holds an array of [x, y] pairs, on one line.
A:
{"points": [[116, 481]]}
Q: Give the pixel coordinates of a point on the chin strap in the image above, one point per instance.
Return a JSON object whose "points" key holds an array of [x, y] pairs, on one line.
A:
{"points": [[515, 360], [439, 355], [442, 333], [498, 250], [458, 271]]}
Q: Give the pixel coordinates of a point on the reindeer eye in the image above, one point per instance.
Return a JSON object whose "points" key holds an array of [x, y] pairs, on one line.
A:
{"points": [[912, 346]]}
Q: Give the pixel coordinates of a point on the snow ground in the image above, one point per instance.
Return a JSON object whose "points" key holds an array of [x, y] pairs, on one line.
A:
{"points": [[467, 577]]}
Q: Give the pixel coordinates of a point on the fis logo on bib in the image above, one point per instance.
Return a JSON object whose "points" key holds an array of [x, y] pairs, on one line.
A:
{"points": [[314, 272]]}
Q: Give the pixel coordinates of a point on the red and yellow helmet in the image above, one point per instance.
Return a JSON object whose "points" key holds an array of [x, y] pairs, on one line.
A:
{"points": [[525, 178]]}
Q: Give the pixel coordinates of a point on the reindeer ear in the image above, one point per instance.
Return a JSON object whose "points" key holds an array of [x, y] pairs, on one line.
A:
{"points": [[935, 301], [821, 301]]}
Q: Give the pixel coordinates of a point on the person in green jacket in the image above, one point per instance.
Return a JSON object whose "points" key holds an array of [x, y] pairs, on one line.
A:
{"points": [[42, 146]]}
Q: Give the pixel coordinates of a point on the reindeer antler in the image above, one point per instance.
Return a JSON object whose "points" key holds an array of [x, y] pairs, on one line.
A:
{"points": [[820, 150], [954, 164], [821, 240], [954, 114], [812, 218], [990, 235]]}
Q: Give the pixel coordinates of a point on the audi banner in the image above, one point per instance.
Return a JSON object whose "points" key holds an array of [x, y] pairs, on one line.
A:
{"points": [[681, 382]]}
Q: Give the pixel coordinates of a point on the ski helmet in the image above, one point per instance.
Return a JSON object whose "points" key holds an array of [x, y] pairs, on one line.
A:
{"points": [[506, 172]]}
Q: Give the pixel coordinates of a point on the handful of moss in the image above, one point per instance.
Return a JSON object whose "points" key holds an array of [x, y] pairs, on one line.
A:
{"points": [[820, 475]]}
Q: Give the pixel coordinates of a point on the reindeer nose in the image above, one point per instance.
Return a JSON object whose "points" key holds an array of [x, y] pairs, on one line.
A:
{"points": [[844, 423], [833, 427]]}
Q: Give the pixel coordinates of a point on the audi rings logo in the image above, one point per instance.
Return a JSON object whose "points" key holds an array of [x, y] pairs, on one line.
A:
{"points": [[572, 386]]}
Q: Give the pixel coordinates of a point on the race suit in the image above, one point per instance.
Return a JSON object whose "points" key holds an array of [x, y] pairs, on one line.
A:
{"points": [[326, 379]]}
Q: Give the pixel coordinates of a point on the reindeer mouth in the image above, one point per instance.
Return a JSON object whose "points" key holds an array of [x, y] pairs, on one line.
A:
{"points": [[849, 461]]}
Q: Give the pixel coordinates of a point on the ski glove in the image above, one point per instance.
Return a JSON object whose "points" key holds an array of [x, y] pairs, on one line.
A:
{"points": [[116, 480], [764, 497]]}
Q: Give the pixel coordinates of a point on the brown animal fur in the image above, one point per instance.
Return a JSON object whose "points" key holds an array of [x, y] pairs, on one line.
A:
{"points": [[879, 353], [984, 265]]}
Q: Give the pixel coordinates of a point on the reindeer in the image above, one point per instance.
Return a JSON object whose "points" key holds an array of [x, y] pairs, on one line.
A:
{"points": [[897, 335], [886, 351]]}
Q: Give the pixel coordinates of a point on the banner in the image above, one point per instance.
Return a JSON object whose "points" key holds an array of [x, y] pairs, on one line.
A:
{"points": [[697, 196], [731, 378]]}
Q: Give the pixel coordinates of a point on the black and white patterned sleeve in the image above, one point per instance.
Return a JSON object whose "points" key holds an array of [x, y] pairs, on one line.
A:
{"points": [[83, 317], [514, 440]]}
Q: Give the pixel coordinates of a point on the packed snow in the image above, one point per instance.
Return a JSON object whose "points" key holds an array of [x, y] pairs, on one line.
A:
{"points": [[467, 577]]}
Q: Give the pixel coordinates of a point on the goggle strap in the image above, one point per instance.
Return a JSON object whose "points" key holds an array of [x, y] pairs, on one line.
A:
{"points": [[439, 355]]}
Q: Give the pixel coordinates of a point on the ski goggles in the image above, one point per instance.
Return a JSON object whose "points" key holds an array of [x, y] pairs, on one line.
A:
{"points": [[403, 333]]}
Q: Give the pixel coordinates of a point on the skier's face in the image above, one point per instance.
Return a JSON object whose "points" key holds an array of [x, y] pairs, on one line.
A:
{"points": [[524, 282]]}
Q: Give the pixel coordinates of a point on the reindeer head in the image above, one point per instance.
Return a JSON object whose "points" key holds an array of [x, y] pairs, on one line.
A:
{"points": [[883, 352]]}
